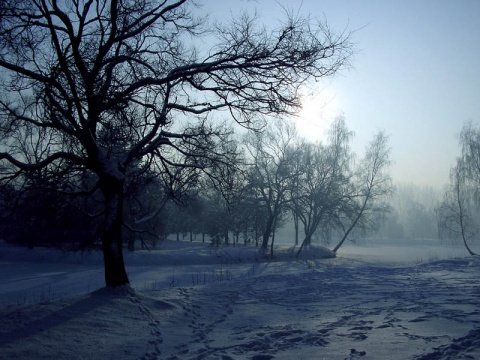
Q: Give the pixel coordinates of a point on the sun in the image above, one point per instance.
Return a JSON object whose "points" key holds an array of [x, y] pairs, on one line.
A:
{"points": [[317, 113]]}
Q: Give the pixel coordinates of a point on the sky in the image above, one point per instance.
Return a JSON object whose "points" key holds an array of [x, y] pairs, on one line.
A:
{"points": [[415, 75]]}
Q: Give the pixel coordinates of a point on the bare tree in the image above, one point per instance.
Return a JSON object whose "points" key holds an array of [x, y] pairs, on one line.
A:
{"points": [[459, 213], [297, 170], [371, 185], [456, 212], [112, 81], [325, 182], [272, 171]]}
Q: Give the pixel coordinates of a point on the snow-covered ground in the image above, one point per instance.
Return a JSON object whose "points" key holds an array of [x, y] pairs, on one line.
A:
{"points": [[192, 301]]}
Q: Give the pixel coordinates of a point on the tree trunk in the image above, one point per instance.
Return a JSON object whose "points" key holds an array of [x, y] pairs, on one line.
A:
{"points": [[256, 232], [464, 238], [335, 249], [272, 243], [306, 242], [466, 245], [267, 232], [115, 274], [461, 218], [295, 222], [353, 224]]}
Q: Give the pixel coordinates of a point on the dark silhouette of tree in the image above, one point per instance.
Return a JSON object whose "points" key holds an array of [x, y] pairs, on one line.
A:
{"points": [[105, 84]]}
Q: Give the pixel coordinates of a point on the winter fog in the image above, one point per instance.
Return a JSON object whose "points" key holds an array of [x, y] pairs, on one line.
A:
{"points": [[236, 180]]}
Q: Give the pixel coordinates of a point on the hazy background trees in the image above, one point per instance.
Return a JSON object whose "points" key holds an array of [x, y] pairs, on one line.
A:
{"points": [[282, 178], [271, 173]]}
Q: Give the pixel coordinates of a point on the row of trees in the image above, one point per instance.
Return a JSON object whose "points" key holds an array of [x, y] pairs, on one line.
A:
{"points": [[413, 215], [280, 177], [276, 177], [231, 212], [94, 94], [322, 186]]}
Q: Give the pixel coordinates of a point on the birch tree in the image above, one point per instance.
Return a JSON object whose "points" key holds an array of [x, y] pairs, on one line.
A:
{"points": [[371, 186], [459, 213]]}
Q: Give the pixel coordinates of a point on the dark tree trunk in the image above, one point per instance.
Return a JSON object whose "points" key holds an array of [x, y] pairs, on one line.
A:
{"points": [[335, 249], [354, 223], [306, 242], [272, 243], [115, 274], [295, 222], [267, 233]]}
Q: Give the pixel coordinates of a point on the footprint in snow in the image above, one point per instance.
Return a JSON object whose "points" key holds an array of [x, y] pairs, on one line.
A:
{"points": [[262, 357], [355, 354]]}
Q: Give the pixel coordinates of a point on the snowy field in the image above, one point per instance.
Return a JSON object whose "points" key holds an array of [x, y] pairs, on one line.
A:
{"points": [[192, 301]]}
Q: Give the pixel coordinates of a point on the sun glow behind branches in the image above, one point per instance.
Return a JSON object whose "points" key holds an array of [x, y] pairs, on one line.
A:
{"points": [[317, 113]]}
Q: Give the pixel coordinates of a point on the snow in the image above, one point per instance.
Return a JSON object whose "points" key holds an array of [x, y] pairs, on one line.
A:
{"points": [[193, 301]]}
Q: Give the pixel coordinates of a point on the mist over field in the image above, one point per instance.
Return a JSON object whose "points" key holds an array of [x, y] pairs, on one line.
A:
{"points": [[235, 180], [49, 274]]}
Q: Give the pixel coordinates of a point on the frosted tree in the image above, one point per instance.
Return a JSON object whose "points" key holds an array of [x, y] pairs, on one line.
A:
{"points": [[104, 84]]}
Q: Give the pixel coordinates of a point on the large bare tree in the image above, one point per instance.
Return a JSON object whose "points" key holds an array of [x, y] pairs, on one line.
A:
{"points": [[104, 84]]}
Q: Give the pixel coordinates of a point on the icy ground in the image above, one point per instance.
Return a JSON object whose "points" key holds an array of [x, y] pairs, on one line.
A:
{"points": [[189, 301]]}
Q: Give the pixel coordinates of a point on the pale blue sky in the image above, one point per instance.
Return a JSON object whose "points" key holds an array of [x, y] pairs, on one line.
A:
{"points": [[416, 75]]}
